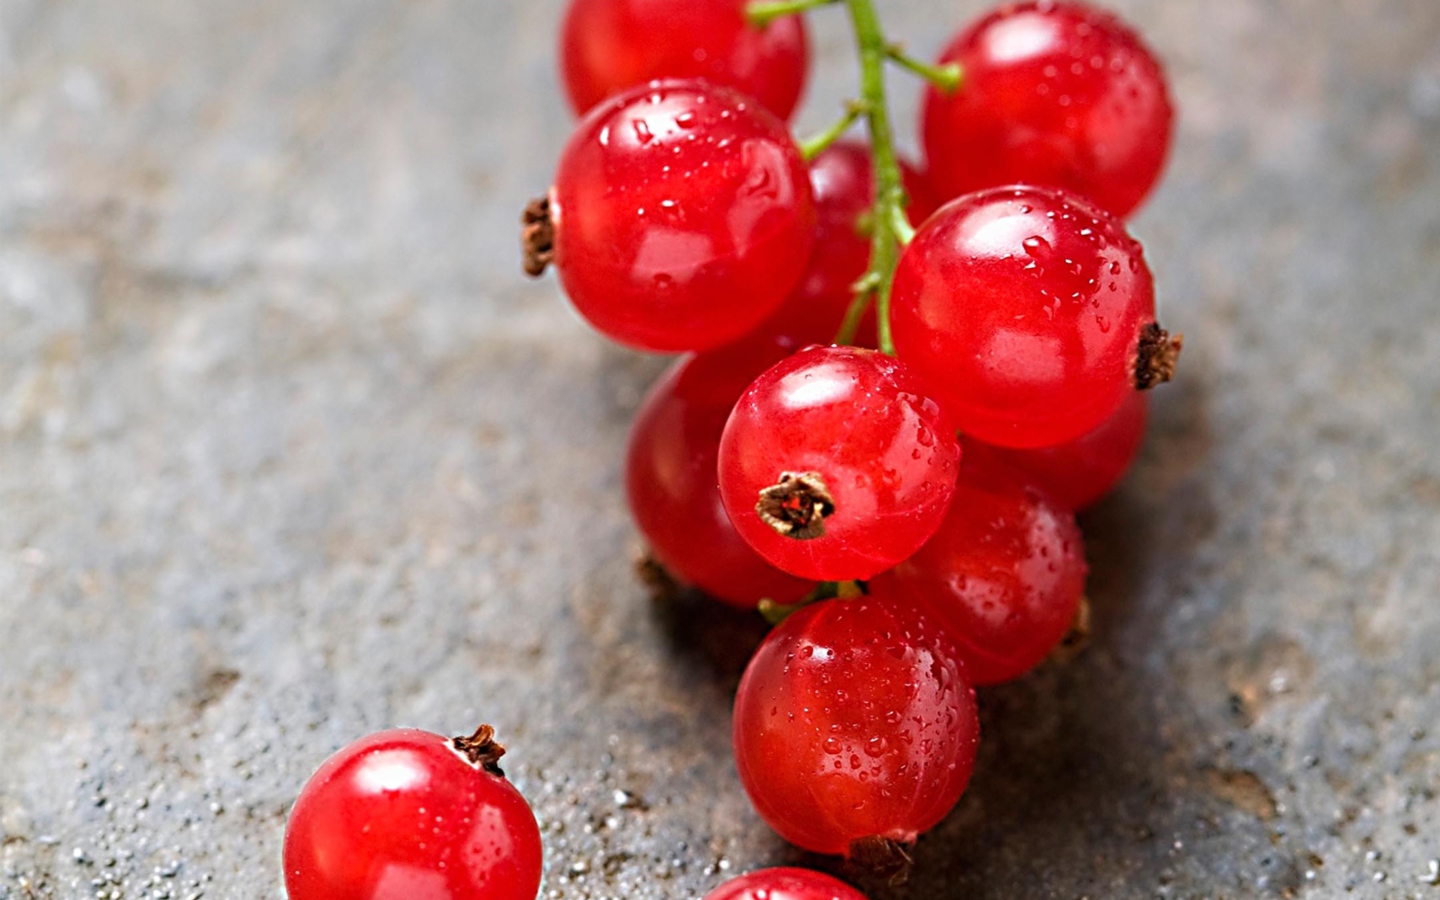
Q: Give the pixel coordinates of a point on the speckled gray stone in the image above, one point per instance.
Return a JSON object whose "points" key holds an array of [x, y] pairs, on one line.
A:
{"points": [[289, 452]]}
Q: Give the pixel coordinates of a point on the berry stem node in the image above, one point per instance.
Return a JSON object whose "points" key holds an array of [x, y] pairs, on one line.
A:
{"points": [[797, 505], [763, 12], [481, 749], [537, 237], [1157, 357], [947, 77]]}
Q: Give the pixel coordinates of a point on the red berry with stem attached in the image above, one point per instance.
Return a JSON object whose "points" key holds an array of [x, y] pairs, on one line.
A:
{"points": [[785, 884], [670, 475], [843, 183], [409, 815], [1058, 94], [1078, 473], [609, 46], [1031, 313], [836, 464], [681, 216], [1004, 575], [855, 723]]}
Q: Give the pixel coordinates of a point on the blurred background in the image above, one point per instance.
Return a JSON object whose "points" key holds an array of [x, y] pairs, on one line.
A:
{"points": [[291, 452]]}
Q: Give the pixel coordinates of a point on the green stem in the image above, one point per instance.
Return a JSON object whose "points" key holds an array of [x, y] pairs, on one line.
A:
{"points": [[763, 12], [947, 77], [817, 144]]}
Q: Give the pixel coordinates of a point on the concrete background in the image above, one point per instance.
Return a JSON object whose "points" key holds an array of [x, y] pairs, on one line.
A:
{"points": [[289, 452]]}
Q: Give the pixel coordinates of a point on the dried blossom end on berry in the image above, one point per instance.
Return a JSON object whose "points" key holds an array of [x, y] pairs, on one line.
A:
{"points": [[797, 505]]}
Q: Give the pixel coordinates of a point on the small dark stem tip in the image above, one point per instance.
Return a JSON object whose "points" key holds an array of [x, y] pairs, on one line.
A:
{"points": [[481, 749], [537, 237], [882, 857], [1158, 355], [797, 505]]}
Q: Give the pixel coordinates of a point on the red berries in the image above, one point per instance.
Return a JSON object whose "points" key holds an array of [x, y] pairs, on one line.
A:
{"points": [[855, 722], [784, 884], [608, 46], [671, 483], [1004, 574], [1030, 313], [836, 464], [408, 814], [1055, 94], [681, 216]]}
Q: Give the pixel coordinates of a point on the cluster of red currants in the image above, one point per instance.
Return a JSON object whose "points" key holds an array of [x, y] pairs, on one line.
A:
{"points": [[900, 385]]}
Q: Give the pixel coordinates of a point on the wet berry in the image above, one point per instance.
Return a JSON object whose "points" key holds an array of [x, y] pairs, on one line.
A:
{"points": [[609, 46], [855, 724], [1058, 94], [1030, 313], [408, 814], [670, 475], [785, 884], [681, 216], [836, 464], [1004, 575]]}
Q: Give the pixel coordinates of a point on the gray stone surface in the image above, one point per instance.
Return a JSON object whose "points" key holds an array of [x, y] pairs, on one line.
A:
{"points": [[289, 452]]}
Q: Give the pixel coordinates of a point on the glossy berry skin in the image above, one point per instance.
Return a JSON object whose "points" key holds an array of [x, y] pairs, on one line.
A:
{"points": [[883, 451], [1023, 308], [855, 719], [785, 884], [1078, 473], [1059, 94], [1004, 575], [682, 214], [400, 815], [843, 182], [670, 475], [609, 46]]}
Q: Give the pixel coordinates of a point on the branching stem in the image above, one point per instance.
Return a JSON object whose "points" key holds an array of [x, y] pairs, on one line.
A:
{"points": [[763, 12], [817, 144]]}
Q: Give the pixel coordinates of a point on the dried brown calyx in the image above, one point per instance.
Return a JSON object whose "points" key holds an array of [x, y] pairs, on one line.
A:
{"points": [[537, 236], [481, 749], [882, 857], [1158, 355], [797, 505]]}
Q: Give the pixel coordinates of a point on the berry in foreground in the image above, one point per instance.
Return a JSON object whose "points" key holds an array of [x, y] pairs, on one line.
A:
{"points": [[680, 219], [1030, 313], [409, 815], [1057, 94], [1004, 575], [785, 884], [855, 726], [836, 464], [670, 475], [609, 46], [1078, 473], [843, 182]]}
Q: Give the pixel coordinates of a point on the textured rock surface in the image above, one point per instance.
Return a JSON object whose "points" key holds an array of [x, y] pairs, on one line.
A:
{"points": [[289, 452]]}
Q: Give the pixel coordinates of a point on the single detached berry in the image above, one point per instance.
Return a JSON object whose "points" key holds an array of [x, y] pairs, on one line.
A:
{"points": [[680, 219], [670, 475], [1078, 473], [843, 183], [1058, 94], [836, 464], [855, 726], [609, 46], [409, 815], [785, 884], [1031, 313], [1004, 575]]}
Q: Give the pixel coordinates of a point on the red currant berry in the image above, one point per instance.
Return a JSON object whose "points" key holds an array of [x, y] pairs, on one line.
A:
{"points": [[836, 464], [681, 216], [1078, 473], [1057, 94], [608, 46], [408, 815], [785, 884], [844, 186], [670, 475], [855, 724], [1031, 313], [1004, 575]]}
